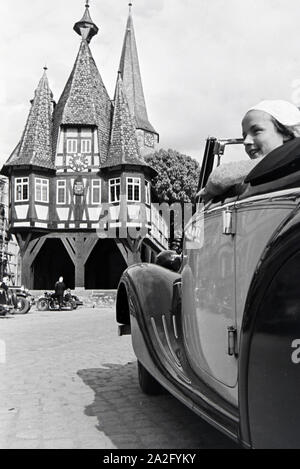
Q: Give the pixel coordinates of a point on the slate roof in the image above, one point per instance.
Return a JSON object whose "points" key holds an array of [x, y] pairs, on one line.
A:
{"points": [[124, 148], [131, 76], [85, 101], [35, 146]]}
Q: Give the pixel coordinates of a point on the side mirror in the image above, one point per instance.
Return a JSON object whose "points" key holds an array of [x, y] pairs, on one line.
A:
{"points": [[170, 260]]}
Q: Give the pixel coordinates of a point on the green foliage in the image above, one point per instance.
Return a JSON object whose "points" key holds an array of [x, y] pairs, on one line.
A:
{"points": [[177, 178]]}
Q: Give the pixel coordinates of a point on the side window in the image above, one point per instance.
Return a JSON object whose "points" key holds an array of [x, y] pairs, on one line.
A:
{"points": [[96, 191], [61, 192], [41, 190], [114, 190], [147, 193], [22, 190], [133, 189]]}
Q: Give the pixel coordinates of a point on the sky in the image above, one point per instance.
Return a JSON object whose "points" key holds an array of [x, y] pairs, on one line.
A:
{"points": [[203, 62]]}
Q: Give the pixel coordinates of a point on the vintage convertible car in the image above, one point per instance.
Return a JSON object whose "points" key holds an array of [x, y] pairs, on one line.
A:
{"points": [[219, 326]]}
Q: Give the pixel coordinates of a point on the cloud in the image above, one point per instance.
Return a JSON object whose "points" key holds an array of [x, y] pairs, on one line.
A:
{"points": [[3, 96]]}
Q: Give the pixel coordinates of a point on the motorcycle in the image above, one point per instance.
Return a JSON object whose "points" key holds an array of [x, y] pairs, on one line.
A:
{"points": [[21, 298], [14, 301], [49, 302], [77, 300]]}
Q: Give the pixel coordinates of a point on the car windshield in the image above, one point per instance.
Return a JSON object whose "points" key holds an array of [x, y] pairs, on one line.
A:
{"points": [[232, 152]]}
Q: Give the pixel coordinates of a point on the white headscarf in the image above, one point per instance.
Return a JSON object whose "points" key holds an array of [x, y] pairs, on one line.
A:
{"points": [[283, 111]]}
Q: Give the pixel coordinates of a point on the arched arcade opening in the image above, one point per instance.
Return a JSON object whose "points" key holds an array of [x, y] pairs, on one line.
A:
{"points": [[52, 262], [104, 266]]}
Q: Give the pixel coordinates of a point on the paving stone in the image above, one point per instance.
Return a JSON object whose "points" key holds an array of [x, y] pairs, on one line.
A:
{"points": [[71, 382], [27, 435], [3, 442], [59, 444], [24, 444]]}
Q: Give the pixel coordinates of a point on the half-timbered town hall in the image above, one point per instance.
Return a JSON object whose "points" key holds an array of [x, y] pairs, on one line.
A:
{"points": [[79, 165]]}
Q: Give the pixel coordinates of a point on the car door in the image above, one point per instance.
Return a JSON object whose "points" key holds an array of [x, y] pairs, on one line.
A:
{"points": [[257, 219], [208, 287]]}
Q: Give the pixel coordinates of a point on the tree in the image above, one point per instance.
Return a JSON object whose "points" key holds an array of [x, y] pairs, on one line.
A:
{"points": [[177, 181], [177, 178]]}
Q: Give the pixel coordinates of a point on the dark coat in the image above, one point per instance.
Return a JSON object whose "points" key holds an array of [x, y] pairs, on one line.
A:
{"points": [[60, 288]]}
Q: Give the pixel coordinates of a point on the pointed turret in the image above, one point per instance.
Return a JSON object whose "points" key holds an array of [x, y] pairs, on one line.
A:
{"points": [[131, 76], [85, 101], [124, 147], [35, 147], [123, 143], [86, 28]]}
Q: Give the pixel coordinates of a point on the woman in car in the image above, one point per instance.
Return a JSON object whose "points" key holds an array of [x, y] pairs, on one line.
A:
{"points": [[266, 127]]}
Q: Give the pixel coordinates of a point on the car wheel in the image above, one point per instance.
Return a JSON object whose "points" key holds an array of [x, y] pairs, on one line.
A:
{"points": [[42, 304], [147, 383], [22, 305]]}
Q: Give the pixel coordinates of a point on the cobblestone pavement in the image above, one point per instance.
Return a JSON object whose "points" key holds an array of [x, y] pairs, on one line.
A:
{"points": [[69, 381]]}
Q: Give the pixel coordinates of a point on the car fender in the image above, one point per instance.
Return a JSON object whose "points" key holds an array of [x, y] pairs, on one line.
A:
{"points": [[135, 292], [149, 300]]}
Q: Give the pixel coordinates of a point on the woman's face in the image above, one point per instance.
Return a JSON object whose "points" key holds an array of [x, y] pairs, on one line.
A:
{"points": [[260, 134]]}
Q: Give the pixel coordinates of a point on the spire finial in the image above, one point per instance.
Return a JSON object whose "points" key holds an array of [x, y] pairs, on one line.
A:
{"points": [[86, 28], [45, 68], [129, 17]]}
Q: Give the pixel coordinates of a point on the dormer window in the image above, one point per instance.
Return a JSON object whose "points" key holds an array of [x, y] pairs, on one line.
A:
{"points": [[79, 141], [86, 145], [72, 145]]}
